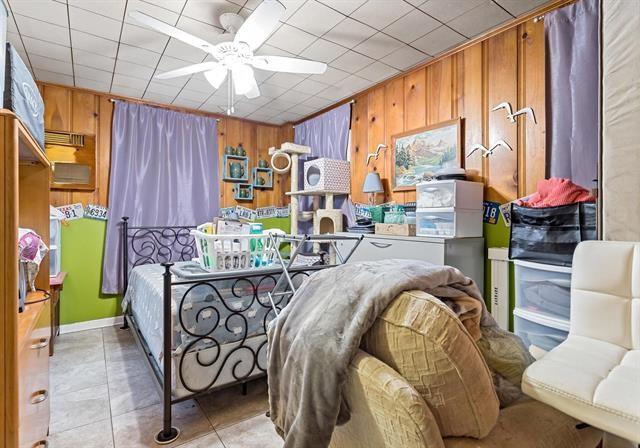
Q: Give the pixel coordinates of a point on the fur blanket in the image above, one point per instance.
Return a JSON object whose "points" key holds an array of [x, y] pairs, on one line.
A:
{"points": [[312, 341]]}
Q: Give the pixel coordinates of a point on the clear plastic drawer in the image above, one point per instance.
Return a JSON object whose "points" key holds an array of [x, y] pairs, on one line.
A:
{"points": [[543, 288], [449, 223], [449, 193], [539, 330]]}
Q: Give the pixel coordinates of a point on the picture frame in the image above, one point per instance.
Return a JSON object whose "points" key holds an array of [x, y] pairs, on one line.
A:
{"points": [[425, 150]]}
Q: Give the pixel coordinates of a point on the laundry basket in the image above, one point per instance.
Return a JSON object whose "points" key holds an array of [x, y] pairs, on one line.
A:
{"points": [[235, 252]]}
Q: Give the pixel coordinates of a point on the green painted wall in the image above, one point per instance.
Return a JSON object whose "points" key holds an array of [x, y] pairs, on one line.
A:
{"points": [[82, 252], [497, 235]]}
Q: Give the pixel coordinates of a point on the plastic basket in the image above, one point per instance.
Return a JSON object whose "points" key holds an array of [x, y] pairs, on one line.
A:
{"points": [[234, 252]]}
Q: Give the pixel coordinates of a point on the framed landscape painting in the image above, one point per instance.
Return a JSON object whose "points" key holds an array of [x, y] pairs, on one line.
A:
{"points": [[423, 152]]}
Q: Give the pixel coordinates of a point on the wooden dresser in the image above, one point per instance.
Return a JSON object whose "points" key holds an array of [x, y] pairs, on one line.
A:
{"points": [[24, 337]]}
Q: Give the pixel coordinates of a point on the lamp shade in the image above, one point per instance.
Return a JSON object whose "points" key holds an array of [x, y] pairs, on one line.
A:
{"points": [[372, 183]]}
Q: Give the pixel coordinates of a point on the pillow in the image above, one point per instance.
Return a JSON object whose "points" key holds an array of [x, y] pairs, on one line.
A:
{"points": [[423, 340]]}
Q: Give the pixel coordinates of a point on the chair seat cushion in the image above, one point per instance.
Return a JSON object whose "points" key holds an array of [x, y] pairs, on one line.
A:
{"points": [[592, 380]]}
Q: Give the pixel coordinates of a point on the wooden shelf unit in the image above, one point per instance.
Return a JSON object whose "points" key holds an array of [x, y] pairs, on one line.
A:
{"points": [[25, 174]]}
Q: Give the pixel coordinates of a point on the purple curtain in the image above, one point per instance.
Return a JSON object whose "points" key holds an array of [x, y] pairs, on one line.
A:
{"points": [[164, 172], [328, 136], [573, 60]]}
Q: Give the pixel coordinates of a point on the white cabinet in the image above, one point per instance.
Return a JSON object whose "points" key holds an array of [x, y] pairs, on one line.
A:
{"points": [[449, 193], [466, 254]]}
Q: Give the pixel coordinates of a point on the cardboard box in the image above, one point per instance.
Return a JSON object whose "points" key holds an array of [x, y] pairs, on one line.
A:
{"points": [[396, 229]]}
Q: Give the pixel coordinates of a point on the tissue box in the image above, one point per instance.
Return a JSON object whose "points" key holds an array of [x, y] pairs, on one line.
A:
{"points": [[330, 175]]}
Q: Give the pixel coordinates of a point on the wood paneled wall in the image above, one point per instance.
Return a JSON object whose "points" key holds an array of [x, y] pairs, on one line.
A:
{"points": [[509, 66], [76, 110]]}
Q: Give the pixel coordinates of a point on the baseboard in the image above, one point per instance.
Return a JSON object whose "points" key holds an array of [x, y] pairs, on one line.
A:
{"points": [[91, 324]]}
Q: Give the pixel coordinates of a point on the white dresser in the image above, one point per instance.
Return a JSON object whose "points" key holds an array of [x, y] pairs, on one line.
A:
{"points": [[466, 254]]}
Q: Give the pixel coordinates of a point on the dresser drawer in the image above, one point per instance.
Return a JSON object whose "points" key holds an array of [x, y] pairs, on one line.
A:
{"points": [[33, 364], [450, 193], [373, 249]]}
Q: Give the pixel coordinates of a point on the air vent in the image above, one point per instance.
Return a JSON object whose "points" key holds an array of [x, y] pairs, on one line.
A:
{"points": [[63, 138]]}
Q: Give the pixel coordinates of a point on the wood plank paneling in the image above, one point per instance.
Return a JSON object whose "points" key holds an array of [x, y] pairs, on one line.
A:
{"points": [[415, 100], [57, 110], [375, 132], [440, 96], [394, 111], [359, 147]]}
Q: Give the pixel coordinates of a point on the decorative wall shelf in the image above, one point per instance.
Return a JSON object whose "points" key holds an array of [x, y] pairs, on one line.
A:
{"points": [[243, 192], [262, 177], [235, 168]]}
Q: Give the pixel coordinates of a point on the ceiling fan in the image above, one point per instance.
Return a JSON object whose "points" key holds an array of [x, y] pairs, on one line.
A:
{"points": [[235, 52]]}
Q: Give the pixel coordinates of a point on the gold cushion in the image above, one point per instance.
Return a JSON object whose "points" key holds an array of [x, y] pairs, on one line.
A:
{"points": [[424, 341]]}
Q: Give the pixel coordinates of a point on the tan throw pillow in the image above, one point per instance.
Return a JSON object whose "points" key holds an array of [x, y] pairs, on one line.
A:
{"points": [[424, 341]]}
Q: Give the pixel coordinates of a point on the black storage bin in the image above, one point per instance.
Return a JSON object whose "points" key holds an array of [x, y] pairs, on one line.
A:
{"points": [[21, 95], [550, 235]]}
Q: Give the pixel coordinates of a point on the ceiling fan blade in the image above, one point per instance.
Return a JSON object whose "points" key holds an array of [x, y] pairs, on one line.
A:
{"points": [[289, 65], [188, 70], [172, 31], [216, 76], [244, 81], [260, 24]]}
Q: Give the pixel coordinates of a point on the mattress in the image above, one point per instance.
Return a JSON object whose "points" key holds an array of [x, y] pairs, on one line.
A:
{"points": [[219, 327]]}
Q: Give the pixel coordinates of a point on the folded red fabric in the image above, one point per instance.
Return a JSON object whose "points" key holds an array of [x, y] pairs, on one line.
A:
{"points": [[555, 192]]}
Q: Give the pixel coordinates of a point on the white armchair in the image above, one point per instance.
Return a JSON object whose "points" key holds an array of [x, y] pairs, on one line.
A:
{"points": [[594, 376]]}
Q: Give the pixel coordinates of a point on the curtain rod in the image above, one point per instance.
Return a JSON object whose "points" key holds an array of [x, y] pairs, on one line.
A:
{"points": [[112, 100], [353, 101]]}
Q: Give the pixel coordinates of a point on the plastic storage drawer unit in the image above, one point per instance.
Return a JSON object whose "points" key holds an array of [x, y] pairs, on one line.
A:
{"points": [[449, 193], [448, 222], [541, 331], [543, 288]]}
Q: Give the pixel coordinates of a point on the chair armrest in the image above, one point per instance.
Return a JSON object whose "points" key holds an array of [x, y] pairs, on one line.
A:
{"points": [[386, 411]]}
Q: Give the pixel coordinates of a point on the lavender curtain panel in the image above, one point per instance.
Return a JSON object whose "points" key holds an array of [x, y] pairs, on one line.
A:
{"points": [[328, 136], [164, 172], [573, 60]]}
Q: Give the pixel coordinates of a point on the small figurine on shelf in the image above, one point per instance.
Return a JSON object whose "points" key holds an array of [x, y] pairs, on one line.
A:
{"points": [[230, 150], [263, 163], [240, 150]]}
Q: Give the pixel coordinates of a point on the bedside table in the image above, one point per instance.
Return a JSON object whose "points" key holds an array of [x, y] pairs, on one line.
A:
{"points": [[56, 283]]}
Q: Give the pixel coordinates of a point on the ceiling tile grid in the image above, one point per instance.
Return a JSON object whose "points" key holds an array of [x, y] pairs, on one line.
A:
{"points": [[94, 44]]}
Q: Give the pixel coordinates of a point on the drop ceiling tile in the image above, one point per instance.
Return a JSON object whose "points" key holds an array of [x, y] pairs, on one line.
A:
{"points": [[246, 106], [93, 74], [183, 51], [14, 39], [291, 6], [268, 50], [286, 80], [158, 97], [349, 33], [378, 46], [317, 103], [351, 62], [209, 11], [269, 111], [411, 26], [346, 7], [380, 13], [261, 100], [92, 85], [198, 83], [95, 24], [93, 44], [53, 65], [110, 8], [354, 83], [438, 41], [294, 96], [168, 63], [416, 3], [332, 75], [90, 59], [43, 30], [212, 108], [133, 70], [152, 9], [138, 55], [56, 78], [291, 39], [11, 24], [126, 90], [446, 10], [192, 95], [404, 58], [47, 49], [186, 103], [323, 51], [165, 89], [280, 105], [310, 86], [262, 75], [479, 19], [315, 18], [302, 110], [129, 81], [271, 91], [377, 71], [143, 38], [45, 10], [334, 93], [200, 29], [518, 7], [257, 116], [172, 5]]}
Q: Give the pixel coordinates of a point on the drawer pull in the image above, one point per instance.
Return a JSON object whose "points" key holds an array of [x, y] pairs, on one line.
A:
{"points": [[41, 444], [39, 396], [42, 343], [431, 189], [380, 245]]}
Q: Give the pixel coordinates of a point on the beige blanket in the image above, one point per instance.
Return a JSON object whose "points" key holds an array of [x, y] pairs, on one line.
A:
{"points": [[315, 337]]}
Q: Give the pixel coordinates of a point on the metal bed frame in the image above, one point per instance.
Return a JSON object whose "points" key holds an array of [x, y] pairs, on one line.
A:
{"points": [[166, 244]]}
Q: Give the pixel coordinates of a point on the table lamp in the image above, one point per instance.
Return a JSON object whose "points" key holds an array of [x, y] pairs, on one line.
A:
{"points": [[372, 186]]}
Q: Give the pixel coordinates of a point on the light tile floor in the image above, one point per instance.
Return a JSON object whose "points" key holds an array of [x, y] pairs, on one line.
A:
{"points": [[103, 396]]}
